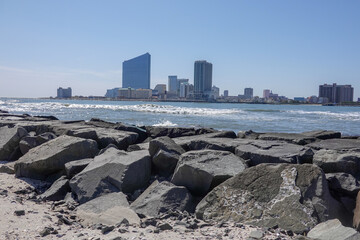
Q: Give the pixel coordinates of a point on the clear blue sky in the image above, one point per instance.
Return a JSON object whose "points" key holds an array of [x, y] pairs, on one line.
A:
{"points": [[287, 46]]}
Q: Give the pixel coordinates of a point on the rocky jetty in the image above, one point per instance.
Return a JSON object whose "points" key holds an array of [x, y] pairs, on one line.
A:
{"points": [[122, 181]]}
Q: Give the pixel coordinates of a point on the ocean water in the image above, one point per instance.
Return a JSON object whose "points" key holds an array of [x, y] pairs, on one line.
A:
{"points": [[222, 116]]}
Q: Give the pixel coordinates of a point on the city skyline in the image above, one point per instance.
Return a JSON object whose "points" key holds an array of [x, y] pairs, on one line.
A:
{"points": [[286, 46]]}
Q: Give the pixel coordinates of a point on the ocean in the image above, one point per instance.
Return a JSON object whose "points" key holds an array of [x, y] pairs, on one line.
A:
{"points": [[222, 116]]}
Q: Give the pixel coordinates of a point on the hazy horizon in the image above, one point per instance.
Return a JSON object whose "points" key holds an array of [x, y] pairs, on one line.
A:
{"points": [[289, 47]]}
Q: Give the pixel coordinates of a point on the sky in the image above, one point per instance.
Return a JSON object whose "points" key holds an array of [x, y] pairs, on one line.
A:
{"points": [[289, 47]]}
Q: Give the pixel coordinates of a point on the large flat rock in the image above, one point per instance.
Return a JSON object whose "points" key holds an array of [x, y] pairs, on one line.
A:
{"points": [[336, 144], [322, 134], [290, 196], [162, 197], [52, 156], [260, 151], [295, 138], [332, 161], [333, 230], [200, 171], [113, 171], [109, 210]]}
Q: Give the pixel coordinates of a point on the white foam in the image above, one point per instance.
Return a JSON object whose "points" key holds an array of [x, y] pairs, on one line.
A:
{"points": [[165, 123]]}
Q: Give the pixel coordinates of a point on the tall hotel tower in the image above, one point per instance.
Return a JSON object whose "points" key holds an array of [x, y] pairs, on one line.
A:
{"points": [[202, 79], [136, 72]]}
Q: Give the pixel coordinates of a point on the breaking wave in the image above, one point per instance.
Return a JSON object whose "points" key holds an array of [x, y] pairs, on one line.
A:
{"points": [[165, 123], [149, 108]]}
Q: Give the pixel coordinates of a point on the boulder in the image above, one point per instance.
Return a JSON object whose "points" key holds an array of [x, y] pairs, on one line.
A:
{"points": [[332, 161], [27, 143], [200, 171], [290, 196], [52, 156], [343, 184], [221, 144], [57, 191], [259, 151], [333, 230], [104, 136], [161, 197], [142, 135], [165, 155], [9, 141], [74, 167], [45, 137], [8, 167], [295, 138], [322, 134], [174, 132], [166, 144], [110, 209], [336, 144], [113, 171]]}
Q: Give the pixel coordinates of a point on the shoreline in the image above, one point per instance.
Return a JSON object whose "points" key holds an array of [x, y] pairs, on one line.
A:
{"points": [[354, 104], [118, 181]]}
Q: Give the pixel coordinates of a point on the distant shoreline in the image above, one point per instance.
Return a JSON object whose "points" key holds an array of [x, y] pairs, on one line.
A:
{"points": [[353, 104]]}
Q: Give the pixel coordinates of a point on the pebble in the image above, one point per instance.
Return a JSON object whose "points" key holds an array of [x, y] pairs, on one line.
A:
{"points": [[19, 212]]}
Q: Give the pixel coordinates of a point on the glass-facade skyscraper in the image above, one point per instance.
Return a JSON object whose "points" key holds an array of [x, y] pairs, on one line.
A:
{"points": [[136, 72], [202, 78]]}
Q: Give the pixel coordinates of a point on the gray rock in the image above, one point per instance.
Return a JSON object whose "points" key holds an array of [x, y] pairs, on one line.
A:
{"points": [[343, 183], [104, 137], [27, 143], [51, 157], [9, 141], [45, 137], [166, 144], [110, 209], [160, 197], [165, 155], [8, 168], [290, 196], [74, 167], [221, 144], [322, 134], [259, 151], [164, 226], [19, 212], [332, 161], [174, 132], [113, 171], [256, 234], [295, 138], [200, 171], [57, 191], [336, 144], [333, 230]]}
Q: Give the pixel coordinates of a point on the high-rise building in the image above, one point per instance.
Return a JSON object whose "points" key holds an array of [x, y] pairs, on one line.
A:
{"points": [[266, 93], [178, 84], [172, 84], [226, 93], [136, 72], [248, 93], [336, 93], [202, 78], [64, 92]]}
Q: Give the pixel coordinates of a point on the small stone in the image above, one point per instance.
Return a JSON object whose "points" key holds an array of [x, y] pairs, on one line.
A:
{"points": [[107, 229], [257, 234], [164, 226], [156, 231], [122, 230], [19, 212], [149, 230], [46, 231]]}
